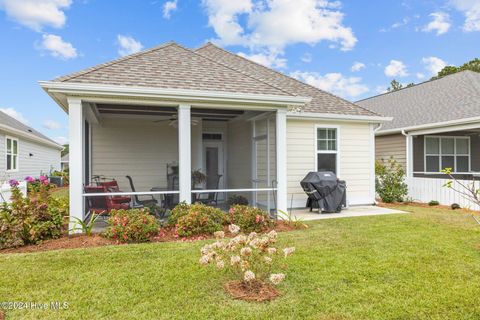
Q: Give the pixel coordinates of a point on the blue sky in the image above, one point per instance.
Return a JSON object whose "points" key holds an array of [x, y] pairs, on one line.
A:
{"points": [[351, 48]]}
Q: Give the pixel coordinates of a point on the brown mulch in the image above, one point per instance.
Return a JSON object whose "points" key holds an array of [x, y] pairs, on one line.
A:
{"points": [[166, 234], [66, 242], [257, 291], [424, 205], [2, 315]]}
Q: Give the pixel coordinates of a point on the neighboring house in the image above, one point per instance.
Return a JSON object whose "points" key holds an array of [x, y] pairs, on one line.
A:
{"points": [[64, 162], [436, 125], [25, 151], [211, 110]]}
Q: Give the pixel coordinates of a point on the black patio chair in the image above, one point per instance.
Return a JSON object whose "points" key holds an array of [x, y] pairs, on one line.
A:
{"points": [[136, 200], [212, 197]]}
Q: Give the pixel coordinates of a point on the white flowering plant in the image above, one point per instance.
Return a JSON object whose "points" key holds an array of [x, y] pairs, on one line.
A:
{"points": [[252, 258]]}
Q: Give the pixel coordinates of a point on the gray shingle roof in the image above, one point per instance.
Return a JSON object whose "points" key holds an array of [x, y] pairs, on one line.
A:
{"points": [[322, 102], [171, 66], [208, 68], [8, 121], [453, 97]]}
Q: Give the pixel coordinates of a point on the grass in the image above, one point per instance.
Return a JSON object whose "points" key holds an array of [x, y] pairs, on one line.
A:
{"points": [[60, 193], [423, 265]]}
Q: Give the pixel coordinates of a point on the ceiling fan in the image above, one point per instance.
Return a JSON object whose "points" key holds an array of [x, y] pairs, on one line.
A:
{"points": [[173, 121]]}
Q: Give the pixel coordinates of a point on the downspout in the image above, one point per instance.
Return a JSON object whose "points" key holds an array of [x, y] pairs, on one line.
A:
{"points": [[373, 181], [409, 158]]}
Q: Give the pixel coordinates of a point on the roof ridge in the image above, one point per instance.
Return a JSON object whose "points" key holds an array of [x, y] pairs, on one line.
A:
{"points": [[115, 61], [282, 74], [420, 84], [242, 73]]}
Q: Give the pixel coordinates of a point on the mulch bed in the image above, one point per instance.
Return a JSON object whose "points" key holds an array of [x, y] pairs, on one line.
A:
{"points": [[167, 234], [257, 291], [2, 315], [66, 242], [424, 205]]}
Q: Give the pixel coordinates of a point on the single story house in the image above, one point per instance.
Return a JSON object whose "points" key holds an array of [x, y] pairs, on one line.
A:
{"points": [[171, 110], [25, 151], [436, 125]]}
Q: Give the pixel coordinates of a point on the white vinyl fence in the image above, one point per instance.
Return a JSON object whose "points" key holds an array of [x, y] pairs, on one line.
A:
{"points": [[427, 189], [6, 191]]}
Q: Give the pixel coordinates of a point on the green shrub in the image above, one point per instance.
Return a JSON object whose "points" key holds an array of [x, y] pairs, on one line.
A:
{"points": [[133, 225], [389, 181], [196, 219], [433, 203], [32, 219], [237, 199], [249, 218]]}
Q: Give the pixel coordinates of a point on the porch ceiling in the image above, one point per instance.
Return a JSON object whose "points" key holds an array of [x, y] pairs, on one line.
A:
{"points": [[164, 111]]}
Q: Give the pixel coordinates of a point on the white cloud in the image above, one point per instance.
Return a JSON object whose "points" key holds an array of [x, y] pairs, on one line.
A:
{"points": [[128, 45], [168, 8], [381, 89], [58, 47], [60, 140], [52, 125], [268, 59], [440, 23], [433, 64], [420, 75], [35, 14], [396, 68], [307, 57], [471, 10], [357, 66], [347, 87], [274, 24], [15, 114]]}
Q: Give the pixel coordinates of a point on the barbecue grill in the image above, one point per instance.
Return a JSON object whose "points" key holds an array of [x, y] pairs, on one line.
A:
{"points": [[325, 191]]}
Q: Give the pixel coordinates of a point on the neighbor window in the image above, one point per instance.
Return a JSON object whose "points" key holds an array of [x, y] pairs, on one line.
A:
{"points": [[327, 149], [447, 152], [12, 154]]}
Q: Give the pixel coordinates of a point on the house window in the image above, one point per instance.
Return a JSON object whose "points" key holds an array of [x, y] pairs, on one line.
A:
{"points": [[447, 152], [12, 154], [327, 149]]}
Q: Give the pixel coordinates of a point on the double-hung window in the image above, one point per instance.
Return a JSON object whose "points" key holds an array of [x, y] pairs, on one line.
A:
{"points": [[447, 152], [12, 154], [327, 149]]}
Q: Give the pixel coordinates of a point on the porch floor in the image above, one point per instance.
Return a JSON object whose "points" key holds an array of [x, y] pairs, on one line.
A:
{"points": [[355, 211]]}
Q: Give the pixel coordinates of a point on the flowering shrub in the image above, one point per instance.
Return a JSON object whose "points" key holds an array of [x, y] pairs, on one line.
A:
{"points": [[389, 181], [251, 258], [249, 218], [35, 185], [196, 219], [134, 225], [32, 219]]}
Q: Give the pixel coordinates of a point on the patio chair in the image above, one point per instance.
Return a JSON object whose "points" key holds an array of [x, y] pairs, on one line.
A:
{"points": [[136, 200], [102, 205], [112, 186], [212, 197]]}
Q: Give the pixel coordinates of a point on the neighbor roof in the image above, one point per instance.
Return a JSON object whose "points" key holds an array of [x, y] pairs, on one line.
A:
{"points": [[453, 97], [14, 127], [208, 68]]}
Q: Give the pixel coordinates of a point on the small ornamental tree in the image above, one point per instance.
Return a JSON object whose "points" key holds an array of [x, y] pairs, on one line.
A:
{"points": [[390, 181], [251, 258]]}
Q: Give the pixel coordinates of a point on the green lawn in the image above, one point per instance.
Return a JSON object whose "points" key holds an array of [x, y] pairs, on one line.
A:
{"points": [[423, 265]]}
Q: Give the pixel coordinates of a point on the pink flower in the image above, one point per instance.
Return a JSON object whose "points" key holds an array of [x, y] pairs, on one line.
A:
{"points": [[43, 178], [30, 179], [45, 182], [13, 183]]}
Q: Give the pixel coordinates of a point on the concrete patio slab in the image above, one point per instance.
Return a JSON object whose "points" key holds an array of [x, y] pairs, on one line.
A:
{"points": [[356, 211]]}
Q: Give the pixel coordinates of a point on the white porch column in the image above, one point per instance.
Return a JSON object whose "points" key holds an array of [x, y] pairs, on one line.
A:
{"points": [[76, 136], [184, 153], [281, 148], [409, 150]]}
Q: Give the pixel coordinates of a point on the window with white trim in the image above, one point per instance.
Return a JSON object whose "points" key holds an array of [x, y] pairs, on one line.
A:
{"points": [[447, 152], [12, 154], [327, 149]]}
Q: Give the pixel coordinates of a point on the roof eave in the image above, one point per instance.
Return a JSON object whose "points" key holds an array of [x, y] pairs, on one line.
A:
{"points": [[30, 136], [82, 89], [446, 124], [339, 117]]}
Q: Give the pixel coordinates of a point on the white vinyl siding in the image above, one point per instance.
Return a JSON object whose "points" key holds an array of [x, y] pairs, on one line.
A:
{"points": [[34, 159], [355, 158], [391, 146], [239, 156]]}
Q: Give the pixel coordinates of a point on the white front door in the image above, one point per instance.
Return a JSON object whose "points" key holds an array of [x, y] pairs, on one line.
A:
{"points": [[213, 162]]}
